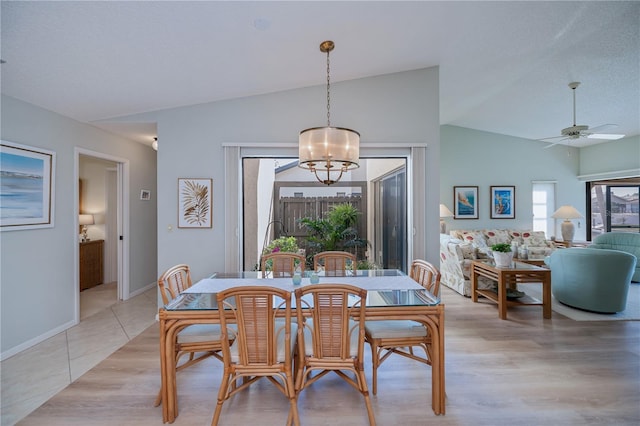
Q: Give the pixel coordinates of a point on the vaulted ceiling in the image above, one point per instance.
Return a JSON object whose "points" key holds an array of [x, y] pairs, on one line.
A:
{"points": [[504, 66]]}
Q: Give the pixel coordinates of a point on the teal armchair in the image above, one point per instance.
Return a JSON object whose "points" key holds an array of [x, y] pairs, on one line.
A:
{"points": [[595, 280], [623, 241]]}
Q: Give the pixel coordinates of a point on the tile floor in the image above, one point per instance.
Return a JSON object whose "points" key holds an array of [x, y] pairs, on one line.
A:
{"points": [[31, 377]]}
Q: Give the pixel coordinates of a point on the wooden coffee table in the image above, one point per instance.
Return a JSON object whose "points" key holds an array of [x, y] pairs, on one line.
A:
{"points": [[519, 273]]}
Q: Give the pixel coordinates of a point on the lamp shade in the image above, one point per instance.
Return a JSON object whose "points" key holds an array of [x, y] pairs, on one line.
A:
{"points": [[326, 145], [566, 212], [567, 228], [86, 219], [444, 211]]}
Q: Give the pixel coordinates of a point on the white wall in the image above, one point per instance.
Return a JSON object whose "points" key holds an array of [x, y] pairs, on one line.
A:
{"points": [[37, 283], [387, 109], [476, 158], [615, 159]]}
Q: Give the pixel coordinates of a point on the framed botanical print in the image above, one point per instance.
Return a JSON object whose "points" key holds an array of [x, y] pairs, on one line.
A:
{"points": [[465, 202], [27, 183], [503, 202], [195, 203]]}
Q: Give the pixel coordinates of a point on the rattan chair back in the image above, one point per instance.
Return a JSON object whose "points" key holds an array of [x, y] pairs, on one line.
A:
{"points": [[281, 264], [334, 263], [427, 275], [174, 281]]}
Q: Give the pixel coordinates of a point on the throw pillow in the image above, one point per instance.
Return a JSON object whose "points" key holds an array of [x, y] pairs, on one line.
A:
{"points": [[516, 236], [534, 239], [497, 236], [476, 238], [468, 251]]}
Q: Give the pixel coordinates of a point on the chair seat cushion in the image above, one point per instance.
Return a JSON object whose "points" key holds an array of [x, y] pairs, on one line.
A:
{"points": [[199, 333], [394, 328]]}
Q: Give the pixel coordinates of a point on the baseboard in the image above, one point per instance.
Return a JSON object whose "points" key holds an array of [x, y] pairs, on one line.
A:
{"points": [[32, 342]]}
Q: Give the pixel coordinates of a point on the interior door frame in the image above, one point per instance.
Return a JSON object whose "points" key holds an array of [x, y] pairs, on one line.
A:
{"points": [[122, 166]]}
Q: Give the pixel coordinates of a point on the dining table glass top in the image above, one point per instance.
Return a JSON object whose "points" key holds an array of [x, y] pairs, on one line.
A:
{"points": [[385, 288]]}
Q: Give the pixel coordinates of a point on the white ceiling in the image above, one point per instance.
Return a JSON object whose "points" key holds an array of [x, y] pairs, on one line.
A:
{"points": [[504, 66]]}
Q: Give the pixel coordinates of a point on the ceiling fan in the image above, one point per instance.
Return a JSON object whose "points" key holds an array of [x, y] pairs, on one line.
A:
{"points": [[581, 131]]}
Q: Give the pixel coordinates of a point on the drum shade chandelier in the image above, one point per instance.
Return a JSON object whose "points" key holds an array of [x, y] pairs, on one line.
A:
{"points": [[328, 151]]}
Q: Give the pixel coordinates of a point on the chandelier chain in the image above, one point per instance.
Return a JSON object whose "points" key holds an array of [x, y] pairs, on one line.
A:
{"points": [[328, 93]]}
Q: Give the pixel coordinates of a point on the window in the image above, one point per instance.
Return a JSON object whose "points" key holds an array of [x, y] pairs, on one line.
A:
{"points": [[615, 206], [543, 202]]}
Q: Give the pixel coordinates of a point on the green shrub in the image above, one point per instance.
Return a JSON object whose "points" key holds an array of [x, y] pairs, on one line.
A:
{"points": [[284, 244]]}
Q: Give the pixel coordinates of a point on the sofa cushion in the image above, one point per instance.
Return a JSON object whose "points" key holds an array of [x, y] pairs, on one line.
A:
{"points": [[534, 239], [516, 235], [476, 238], [497, 236]]}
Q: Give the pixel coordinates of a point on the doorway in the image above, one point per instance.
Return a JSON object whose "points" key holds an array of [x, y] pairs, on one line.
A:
{"points": [[276, 194], [101, 202], [391, 220]]}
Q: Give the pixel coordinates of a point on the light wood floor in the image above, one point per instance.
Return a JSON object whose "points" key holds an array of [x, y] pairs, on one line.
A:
{"points": [[522, 371]]}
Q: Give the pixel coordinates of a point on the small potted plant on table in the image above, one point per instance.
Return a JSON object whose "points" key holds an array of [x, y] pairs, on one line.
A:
{"points": [[502, 254]]}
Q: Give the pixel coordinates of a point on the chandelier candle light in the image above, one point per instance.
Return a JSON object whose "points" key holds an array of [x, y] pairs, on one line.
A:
{"points": [[567, 213], [328, 149]]}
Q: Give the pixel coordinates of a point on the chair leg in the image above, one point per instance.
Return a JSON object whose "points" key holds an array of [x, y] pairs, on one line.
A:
{"points": [[362, 383], [158, 398], [223, 394], [374, 369]]}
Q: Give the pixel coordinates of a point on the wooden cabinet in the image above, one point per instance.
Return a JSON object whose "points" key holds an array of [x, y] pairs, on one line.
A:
{"points": [[91, 271]]}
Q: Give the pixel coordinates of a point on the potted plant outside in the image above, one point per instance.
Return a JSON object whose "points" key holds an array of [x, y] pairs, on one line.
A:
{"points": [[335, 231], [502, 254]]}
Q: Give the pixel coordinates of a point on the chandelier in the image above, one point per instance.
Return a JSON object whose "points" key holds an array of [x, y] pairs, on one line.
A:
{"points": [[328, 151]]}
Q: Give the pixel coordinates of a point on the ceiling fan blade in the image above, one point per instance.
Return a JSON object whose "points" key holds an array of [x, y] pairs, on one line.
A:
{"points": [[551, 138], [601, 128], [552, 144], [606, 136]]}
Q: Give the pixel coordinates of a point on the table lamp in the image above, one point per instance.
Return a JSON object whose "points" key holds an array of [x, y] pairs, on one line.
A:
{"points": [[444, 213], [84, 220], [567, 213]]}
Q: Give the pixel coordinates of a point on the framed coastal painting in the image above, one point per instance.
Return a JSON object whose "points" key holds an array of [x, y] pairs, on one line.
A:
{"points": [[465, 202], [195, 203], [503, 202], [27, 183]]}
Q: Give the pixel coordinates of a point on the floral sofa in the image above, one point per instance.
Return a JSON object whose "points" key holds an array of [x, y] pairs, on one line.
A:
{"points": [[458, 249]]}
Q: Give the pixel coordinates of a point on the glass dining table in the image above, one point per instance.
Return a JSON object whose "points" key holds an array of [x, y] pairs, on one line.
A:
{"points": [[391, 295]]}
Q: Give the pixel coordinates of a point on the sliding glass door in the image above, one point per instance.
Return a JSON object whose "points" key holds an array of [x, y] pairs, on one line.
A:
{"points": [[615, 207]]}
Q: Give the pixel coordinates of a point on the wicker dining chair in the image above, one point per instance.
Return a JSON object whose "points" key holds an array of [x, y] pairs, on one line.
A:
{"points": [[263, 336], [281, 264], [200, 339], [331, 336], [334, 263], [401, 336]]}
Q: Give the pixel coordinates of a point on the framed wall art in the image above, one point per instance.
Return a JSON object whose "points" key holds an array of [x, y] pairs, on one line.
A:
{"points": [[27, 184], [145, 194], [503, 202], [195, 203], [465, 202]]}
